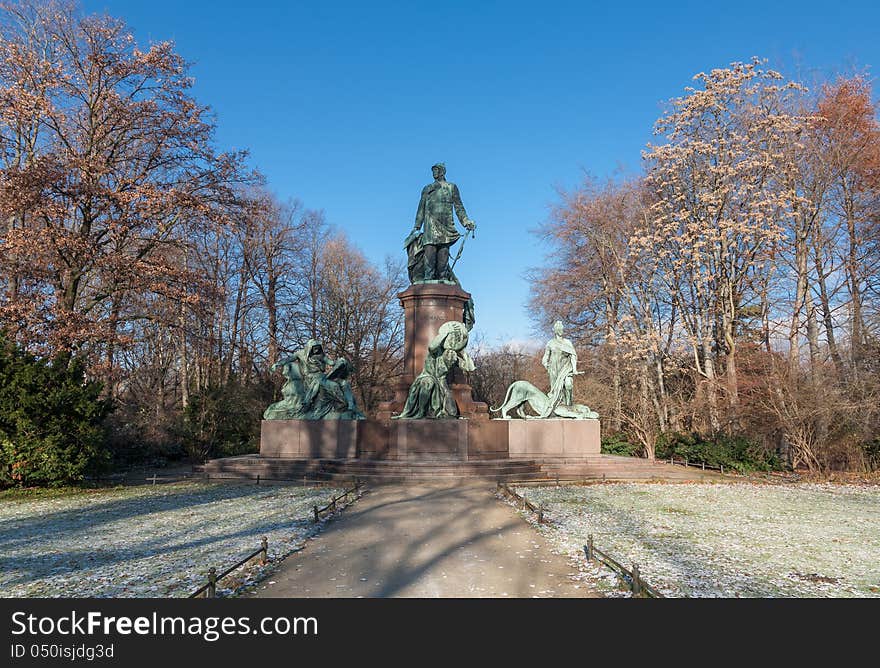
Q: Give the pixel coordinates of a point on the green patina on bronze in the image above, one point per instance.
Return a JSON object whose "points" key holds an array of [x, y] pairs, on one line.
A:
{"points": [[427, 245], [429, 395], [435, 227], [560, 360], [316, 387]]}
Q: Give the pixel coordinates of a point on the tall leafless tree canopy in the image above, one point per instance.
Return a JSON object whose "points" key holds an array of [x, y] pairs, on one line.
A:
{"points": [[732, 288], [130, 240]]}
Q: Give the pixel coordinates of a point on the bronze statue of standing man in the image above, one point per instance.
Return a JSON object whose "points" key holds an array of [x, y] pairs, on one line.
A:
{"points": [[434, 219]]}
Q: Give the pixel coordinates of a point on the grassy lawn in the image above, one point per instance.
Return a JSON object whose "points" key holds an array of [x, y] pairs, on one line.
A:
{"points": [[728, 540], [146, 540]]}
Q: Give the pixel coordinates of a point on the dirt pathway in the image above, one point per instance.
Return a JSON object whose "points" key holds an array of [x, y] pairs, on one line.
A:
{"points": [[428, 542]]}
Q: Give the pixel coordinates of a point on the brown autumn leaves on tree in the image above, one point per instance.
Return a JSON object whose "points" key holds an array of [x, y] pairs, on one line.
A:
{"points": [[129, 240], [108, 167], [733, 288]]}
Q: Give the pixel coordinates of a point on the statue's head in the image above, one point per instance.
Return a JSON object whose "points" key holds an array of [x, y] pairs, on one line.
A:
{"points": [[455, 335], [438, 170], [558, 327]]}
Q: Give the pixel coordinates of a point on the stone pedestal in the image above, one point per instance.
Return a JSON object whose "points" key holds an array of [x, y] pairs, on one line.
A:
{"points": [[426, 307], [427, 440], [418, 440], [553, 439], [309, 439]]}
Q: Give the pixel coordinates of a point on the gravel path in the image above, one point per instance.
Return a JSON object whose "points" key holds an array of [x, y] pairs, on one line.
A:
{"points": [[427, 542]]}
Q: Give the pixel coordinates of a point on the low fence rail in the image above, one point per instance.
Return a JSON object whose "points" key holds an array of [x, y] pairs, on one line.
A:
{"points": [[331, 507], [134, 478], [695, 465], [260, 479], [209, 589], [632, 577], [522, 502]]}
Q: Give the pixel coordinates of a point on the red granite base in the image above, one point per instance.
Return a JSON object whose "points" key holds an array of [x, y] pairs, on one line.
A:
{"points": [[426, 307], [423, 440], [427, 440]]}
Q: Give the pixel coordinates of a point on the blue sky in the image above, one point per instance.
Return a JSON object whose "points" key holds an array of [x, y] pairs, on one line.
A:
{"points": [[346, 105]]}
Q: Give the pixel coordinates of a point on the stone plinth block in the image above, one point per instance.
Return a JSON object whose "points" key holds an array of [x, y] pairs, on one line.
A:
{"points": [[310, 439], [374, 440], [462, 440], [426, 307], [552, 439], [487, 439], [419, 440], [430, 439]]}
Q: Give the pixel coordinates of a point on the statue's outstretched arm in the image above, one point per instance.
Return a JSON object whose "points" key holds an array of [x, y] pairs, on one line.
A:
{"points": [[420, 213], [459, 209], [283, 361]]}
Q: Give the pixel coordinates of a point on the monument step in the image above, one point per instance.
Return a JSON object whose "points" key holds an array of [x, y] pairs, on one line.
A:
{"points": [[372, 464], [616, 467], [599, 467], [385, 477], [249, 467], [412, 463]]}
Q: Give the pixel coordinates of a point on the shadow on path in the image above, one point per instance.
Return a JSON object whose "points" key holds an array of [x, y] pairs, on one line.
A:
{"points": [[427, 541]]}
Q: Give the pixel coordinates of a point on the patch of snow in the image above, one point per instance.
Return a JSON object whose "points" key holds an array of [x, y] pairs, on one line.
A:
{"points": [[148, 541], [723, 540]]}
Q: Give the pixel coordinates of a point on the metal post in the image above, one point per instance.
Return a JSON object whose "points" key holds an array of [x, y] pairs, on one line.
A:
{"points": [[264, 557], [722, 469], [258, 478], [540, 516], [685, 462], [590, 547], [315, 508], [637, 582], [211, 591], [704, 466]]}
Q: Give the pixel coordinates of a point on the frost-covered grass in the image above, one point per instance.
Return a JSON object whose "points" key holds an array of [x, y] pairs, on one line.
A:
{"points": [[729, 540], [146, 541]]}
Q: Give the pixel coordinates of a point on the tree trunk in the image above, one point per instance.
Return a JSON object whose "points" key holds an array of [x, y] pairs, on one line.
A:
{"points": [[236, 318], [799, 299], [184, 366], [812, 338], [853, 281], [110, 386], [611, 339], [708, 373], [825, 304], [272, 309]]}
